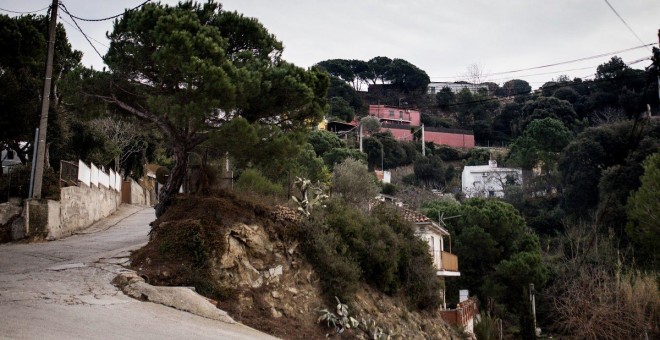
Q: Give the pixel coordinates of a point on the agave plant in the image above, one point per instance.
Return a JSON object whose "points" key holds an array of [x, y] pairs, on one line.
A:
{"points": [[340, 321]]}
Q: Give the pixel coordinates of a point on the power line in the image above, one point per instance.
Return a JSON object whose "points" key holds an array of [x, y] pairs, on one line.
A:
{"points": [[575, 69], [623, 21], [565, 62], [74, 27], [554, 86], [24, 12], [555, 72], [575, 60], [627, 64], [108, 18], [80, 30], [531, 75]]}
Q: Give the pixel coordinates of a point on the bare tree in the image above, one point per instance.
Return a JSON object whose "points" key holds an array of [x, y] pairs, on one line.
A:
{"points": [[124, 135], [607, 115], [475, 73]]}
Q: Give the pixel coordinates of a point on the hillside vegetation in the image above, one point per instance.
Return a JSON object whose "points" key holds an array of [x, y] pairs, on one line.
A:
{"points": [[275, 273]]}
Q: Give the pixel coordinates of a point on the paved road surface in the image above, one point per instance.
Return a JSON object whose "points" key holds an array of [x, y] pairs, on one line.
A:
{"points": [[62, 290]]}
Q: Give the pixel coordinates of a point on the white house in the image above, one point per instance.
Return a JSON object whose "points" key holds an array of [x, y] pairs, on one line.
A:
{"points": [[488, 180], [436, 87], [446, 263]]}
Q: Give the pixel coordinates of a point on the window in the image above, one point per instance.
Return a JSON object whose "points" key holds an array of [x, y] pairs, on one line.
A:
{"points": [[431, 90], [400, 114], [391, 113]]}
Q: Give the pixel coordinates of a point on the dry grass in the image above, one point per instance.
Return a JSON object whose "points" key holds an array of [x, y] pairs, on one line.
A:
{"points": [[597, 305]]}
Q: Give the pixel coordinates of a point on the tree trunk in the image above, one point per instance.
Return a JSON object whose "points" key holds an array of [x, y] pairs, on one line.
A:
{"points": [[177, 175]]}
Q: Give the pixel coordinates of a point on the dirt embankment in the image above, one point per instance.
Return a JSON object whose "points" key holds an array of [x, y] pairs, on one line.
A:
{"points": [[246, 256]]}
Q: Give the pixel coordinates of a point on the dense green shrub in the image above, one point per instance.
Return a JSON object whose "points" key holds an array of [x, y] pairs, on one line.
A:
{"points": [[416, 272], [324, 141], [346, 245], [339, 155], [389, 189], [252, 180], [340, 274], [448, 154], [353, 181], [410, 179]]}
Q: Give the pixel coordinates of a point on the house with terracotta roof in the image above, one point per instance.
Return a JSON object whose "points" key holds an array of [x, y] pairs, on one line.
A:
{"points": [[445, 262]]}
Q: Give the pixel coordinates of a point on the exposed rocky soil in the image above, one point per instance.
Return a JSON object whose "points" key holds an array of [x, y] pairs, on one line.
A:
{"points": [[246, 257]]}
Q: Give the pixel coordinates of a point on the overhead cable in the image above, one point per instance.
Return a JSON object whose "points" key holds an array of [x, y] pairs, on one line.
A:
{"points": [[554, 86], [80, 29], [565, 62], [25, 12], [528, 75], [111, 17], [623, 21], [574, 60], [76, 28]]}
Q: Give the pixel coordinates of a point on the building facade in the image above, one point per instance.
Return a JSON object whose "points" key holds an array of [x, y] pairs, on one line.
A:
{"points": [[401, 121], [436, 87], [488, 180], [396, 115]]}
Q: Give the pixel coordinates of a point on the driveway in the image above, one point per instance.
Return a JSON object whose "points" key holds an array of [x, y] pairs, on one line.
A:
{"points": [[62, 290]]}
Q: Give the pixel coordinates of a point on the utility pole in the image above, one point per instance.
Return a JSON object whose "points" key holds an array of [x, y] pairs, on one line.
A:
{"points": [[361, 137], [657, 63], [532, 301], [423, 146], [45, 104]]}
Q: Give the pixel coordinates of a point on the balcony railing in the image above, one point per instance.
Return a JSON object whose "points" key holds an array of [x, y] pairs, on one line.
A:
{"points": [[463, 314], [449, 261], [445, 261]]}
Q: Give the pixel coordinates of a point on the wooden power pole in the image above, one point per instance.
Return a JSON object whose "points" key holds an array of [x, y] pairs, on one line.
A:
{"points": [[45, 104], [657, 63]]}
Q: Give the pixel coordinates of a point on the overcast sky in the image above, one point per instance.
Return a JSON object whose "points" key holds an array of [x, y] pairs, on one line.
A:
{"points": [[442, 38]]}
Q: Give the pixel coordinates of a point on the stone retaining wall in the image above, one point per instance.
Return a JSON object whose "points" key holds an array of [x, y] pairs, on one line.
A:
{"points": [[82, 205], [78, 208]]}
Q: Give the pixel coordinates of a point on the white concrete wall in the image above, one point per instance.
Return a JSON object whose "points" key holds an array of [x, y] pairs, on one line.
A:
{"points": [[97, 196], [138, 194], [435, 242]]}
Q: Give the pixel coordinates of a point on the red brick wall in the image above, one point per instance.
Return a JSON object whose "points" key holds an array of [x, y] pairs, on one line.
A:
{"points": [[451, 139], [455, 140]]}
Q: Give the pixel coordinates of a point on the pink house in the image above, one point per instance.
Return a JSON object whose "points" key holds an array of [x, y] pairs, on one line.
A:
{"points": [[399, 121], [391, 114]]}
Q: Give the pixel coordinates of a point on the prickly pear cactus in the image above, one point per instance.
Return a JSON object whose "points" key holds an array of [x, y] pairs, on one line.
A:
{"points": [[310, 197]]}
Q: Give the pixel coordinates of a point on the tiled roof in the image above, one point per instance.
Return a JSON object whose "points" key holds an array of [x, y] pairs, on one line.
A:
{"points": [[415, 217], [412, 215]]}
